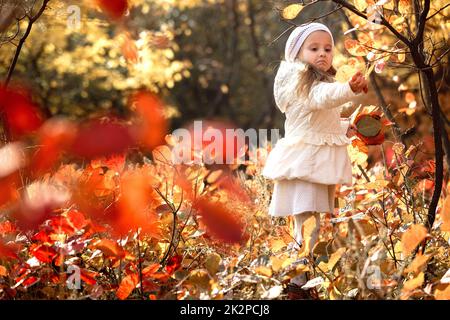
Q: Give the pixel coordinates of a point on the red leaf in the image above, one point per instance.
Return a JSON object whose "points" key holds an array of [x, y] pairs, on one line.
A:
{"points": [[219, 221], [20, 114], [42, 236], [44, 253], [115, 9], [8, 188], [174, 264], [8, 250], [88, 276], [101, 139], [76, 219], [61, 225], [127, 286], [30, 281], [221, 134]]}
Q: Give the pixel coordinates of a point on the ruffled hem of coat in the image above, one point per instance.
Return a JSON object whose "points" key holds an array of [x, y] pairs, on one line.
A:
{"points": [[318, 138]]}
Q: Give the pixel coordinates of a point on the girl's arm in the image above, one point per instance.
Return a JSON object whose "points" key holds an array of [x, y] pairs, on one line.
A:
{"points": [[324, 95]]}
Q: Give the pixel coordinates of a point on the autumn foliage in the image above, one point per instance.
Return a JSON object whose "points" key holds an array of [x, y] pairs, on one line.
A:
{"points": [[96, 208]]}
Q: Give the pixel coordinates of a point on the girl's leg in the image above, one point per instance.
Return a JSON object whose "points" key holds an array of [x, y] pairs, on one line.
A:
{"points": [[332, 196]]}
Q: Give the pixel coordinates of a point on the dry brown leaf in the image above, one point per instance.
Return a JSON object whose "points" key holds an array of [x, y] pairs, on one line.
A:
{"points": [[212, 263]]}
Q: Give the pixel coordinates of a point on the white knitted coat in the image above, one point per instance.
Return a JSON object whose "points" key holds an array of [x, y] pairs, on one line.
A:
{"points": [[314, 147]]}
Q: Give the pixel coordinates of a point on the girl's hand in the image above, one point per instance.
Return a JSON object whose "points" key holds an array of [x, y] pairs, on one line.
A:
{"points": [[358, 83], [351, 131]]}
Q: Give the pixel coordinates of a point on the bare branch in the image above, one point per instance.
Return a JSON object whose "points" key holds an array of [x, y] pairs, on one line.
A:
{"points": [[32, 20], [384, 22], [438, 11]]}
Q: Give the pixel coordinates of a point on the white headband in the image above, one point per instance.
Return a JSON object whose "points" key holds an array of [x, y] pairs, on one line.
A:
{"points": [[299, 35]]}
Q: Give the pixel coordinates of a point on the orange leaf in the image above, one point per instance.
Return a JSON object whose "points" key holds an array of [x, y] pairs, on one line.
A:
{"points": [[134, 204], [418, 263], [53, 139], [152, 128], [355, 48], [150, 269], [3, 271], [442, 292], [129, 48], [127, 286], [412, 237], [109, 248], [413, 283]]}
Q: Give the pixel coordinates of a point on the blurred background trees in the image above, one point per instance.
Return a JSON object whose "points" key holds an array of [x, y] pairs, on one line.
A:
{"points": [[207, 58]]}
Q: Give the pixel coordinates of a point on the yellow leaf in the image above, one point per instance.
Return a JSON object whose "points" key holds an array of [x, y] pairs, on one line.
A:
{"points": [[328, 266], [264, 271], [345, 72], [276, 263], [361, 5], [287, 262], [418, 263], [445, 215], [412, 237], [291, 11], [276, 244], [413, 283], [308, 228]]}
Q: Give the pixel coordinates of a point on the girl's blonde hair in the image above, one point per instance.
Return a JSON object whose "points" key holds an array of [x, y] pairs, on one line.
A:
{"points": [[311, 74]]}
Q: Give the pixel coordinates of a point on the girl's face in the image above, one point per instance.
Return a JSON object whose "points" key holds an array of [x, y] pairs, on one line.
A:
{"points": [[317, 50]]}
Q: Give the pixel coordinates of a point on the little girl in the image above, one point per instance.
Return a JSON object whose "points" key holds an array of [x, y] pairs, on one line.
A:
{"points": [[312, 158]]}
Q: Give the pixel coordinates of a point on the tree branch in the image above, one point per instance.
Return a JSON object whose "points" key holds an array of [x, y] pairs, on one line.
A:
{"points": [[422, 23], [384, 22], [32, 20]]}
